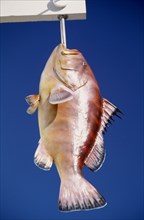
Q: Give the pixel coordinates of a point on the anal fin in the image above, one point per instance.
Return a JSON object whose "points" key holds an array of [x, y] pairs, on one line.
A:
{"points": [[41, 158], [97, 154]]}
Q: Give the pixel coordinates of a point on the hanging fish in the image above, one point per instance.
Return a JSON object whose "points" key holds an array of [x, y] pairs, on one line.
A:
{"points": [[72, 118]]}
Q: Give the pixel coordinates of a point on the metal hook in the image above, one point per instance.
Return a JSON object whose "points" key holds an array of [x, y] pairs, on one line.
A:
{"points": [[62, 29]]}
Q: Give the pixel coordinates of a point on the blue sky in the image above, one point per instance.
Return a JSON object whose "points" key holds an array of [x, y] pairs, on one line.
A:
{"points": [[111, 39]]}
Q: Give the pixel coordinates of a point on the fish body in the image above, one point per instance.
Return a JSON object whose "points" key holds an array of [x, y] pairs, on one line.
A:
{"points": [[72, 117]]}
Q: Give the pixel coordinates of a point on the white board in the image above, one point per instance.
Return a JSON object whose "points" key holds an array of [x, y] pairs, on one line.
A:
{"points": [[41, 10]]}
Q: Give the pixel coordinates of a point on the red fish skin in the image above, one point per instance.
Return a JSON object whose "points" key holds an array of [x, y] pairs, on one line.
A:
{"points": [[71, 136]]}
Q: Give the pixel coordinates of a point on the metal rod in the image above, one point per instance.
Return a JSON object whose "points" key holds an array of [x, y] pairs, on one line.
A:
{"points": [[63, 32], [62, 29]]}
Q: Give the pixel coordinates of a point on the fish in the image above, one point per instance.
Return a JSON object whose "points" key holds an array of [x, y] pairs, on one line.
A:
{"points": [[72, 118]]}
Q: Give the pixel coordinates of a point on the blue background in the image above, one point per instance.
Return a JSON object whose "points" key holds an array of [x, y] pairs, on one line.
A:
{"points": [[111, 40]]}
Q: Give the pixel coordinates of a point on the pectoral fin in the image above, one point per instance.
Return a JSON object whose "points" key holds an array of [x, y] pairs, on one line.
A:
{"points": [[33, 101], [60, 95]]}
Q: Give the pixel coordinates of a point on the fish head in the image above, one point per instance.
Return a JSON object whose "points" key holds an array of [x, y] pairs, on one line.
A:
{"points": [[70, 67]]}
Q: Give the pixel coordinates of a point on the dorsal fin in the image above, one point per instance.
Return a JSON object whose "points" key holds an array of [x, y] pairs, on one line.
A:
{"points": [[109, 110], [96, 156]]}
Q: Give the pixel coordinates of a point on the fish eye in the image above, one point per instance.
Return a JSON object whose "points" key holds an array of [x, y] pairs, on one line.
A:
{"points": [[84, 64]]}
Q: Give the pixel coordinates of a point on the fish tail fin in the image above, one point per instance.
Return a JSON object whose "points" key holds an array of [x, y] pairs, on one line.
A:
{"points": [[77, 193]]}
